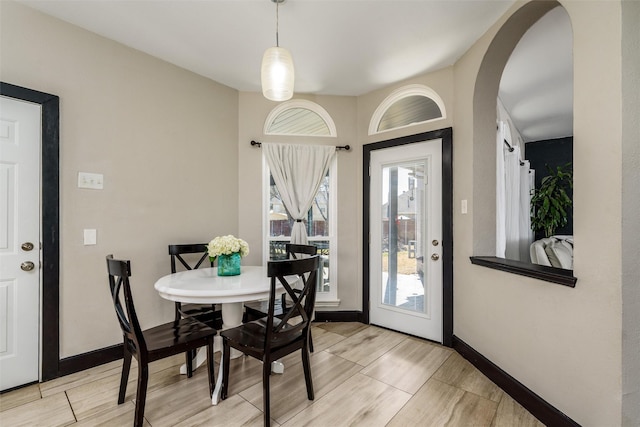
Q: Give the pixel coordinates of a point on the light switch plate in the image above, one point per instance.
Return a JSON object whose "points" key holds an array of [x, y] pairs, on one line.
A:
{"points": [[90, 236], [463, 206], [94, 181]]}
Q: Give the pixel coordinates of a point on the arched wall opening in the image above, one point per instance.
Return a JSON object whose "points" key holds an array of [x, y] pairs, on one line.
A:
{"points": [[484, 121]]}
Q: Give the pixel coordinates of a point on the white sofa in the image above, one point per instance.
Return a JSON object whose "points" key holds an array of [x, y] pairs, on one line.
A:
{"points": [[554, 251]]}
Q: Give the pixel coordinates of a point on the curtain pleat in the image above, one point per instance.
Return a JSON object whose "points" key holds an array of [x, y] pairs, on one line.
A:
{"points": [[501, 236], [298, 171]]}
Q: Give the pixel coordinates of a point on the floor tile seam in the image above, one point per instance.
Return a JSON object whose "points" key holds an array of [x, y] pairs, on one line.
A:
{"points": [[32, 402], [382, 382], [411, 395], [246, 400], [344, 358], [72, 384], [342, 335], [336, 343], [449, 419], [107, 409], [382, 355], [71, 407], [479, 395], [22, 404], [395, 387], [347, 378], [324, 396], [438, 369], [421, 385], [66, 389], [461, 387], [402, 407]]}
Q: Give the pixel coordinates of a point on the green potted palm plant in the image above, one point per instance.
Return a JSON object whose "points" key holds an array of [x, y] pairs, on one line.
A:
{"points": [[550, 203]]}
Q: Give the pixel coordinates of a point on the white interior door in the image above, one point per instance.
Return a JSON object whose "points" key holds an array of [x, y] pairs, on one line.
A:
{"points": [[406, 239], [19, 242]]}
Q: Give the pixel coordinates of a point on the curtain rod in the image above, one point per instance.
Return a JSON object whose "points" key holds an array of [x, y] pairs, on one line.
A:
{"points": [[338, 147], [509, 145], [511, 151]]}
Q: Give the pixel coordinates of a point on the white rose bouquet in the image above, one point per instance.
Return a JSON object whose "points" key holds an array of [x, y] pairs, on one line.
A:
{"points": [[227, 245]]}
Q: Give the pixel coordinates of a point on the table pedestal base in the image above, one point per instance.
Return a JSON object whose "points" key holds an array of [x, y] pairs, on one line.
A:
{"points": [[231, 317]]}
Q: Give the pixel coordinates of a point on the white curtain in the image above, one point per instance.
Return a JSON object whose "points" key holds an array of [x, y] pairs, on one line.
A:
{"points": [[501, 237], [527, 180], [512, 203], [513, 198], [298, 171]]}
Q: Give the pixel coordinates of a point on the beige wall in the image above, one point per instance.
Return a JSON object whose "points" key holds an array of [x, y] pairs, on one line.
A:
{"points": [[562, 343], [165, 140], [254, 109], [630, 209]]}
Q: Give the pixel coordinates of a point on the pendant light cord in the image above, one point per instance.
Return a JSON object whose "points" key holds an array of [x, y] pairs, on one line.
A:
{"points": [[277, 24]]}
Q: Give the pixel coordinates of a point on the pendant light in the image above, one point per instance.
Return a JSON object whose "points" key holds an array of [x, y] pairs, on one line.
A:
{"points": [[277, 69]]}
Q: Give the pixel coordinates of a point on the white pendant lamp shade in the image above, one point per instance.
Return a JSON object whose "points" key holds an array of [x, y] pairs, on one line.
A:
{"points": [[277, 74]]}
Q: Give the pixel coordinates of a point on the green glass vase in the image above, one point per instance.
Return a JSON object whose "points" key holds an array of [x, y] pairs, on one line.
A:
{"points": [[229, 265]]}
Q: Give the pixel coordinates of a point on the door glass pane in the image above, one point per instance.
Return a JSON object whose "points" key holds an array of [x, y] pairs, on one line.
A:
{"points": [[403, 234]]}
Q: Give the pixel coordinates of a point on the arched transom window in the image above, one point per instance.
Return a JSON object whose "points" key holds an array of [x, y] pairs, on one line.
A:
{"points": [[299, 117], [407, 106]]}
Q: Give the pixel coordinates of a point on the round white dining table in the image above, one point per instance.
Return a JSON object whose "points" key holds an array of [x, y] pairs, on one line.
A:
{"points": [[204, 286]]}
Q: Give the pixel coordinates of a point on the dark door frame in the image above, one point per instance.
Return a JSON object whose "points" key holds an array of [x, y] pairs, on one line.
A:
{"points": [[446, 135], [49, 185]]}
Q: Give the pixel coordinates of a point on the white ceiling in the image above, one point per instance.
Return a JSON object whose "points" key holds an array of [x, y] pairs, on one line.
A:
{"points": [[537, 82], [339, 47]]}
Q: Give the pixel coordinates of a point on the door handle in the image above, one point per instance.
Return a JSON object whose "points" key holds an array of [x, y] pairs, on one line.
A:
{"points": [[27, 266], [27, 246], [435, 257]]}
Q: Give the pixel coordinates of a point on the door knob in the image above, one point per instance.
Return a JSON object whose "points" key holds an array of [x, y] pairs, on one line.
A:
{"points": [[27, 266], [435, 257], [27, 246], [434, 242]]}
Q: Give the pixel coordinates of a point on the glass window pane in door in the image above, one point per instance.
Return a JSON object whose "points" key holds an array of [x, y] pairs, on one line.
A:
{"points": [[403, 231]]}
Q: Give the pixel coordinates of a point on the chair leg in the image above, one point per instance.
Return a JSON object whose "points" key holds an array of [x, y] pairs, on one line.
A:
{"points": [[178, 316], [211, 367], [310, 341], [226, 359], [189, 362], [189, 355], [266, 405], [141, 394], [307, 372], [124, 378]]}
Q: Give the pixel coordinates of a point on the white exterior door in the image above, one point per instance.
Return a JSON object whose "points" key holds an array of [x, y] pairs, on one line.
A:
{"points": [[406, 239], [19, 242]]}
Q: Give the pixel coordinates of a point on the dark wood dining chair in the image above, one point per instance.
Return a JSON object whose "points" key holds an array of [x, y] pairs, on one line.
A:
{"points": [[271, 338], [255, 310], [152, 344], [210, 314]]}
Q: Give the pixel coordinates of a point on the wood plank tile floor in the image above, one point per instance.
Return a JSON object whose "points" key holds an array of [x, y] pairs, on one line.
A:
{"points": [[363, 376]]}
